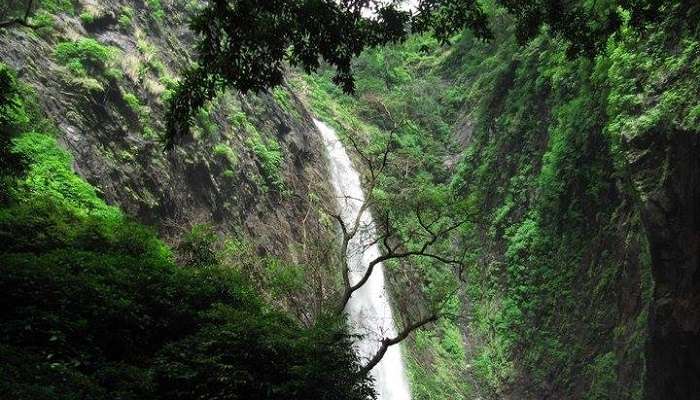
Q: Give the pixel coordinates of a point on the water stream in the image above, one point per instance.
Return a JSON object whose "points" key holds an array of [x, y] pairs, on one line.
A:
{"points": [[369, 309]]}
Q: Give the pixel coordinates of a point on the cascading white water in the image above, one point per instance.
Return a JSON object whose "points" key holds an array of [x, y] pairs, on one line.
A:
{"points": [[369, 310]]}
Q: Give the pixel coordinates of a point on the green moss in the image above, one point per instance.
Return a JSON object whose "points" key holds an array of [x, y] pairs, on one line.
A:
{"points": [[225, 151]]}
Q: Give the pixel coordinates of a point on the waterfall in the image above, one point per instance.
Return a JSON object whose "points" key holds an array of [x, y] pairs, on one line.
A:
{"points": [[369, 309]]}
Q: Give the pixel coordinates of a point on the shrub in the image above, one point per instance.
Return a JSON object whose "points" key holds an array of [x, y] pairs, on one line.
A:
{"points": [[270, 158], [157, 12], [197, 246], [13, 118], [133, 102], [170, 84], [44, 22], [205, 125], [84, 55], [87, 17], [142, 112], [126, 17], [58, 6], [114, 73]]}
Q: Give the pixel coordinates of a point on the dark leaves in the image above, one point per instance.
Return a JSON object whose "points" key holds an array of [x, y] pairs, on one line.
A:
{"points": [[245, 44]]}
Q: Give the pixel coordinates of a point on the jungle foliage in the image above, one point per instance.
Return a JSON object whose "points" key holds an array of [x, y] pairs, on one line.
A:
{"points": [[246, 44], [94, 305], [536, 145]]}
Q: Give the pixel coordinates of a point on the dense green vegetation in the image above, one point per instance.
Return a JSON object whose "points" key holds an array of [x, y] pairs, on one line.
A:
{"points": [[88, 62], [556, 247], [246, 44], [398, 90], [551, 146], [557, 135], [94, 306]]}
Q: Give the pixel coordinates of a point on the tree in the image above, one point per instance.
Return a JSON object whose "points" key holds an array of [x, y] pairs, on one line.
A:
{"points": [[586, 26], [420, 228], [245, 44]]}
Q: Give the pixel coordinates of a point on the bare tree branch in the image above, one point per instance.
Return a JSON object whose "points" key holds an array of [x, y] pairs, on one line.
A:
{"points": [[392, 254], [421, 239], [388, 342]]}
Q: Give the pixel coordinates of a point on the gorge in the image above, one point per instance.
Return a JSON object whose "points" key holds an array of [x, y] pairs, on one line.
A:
{"points": [[178, 178]]}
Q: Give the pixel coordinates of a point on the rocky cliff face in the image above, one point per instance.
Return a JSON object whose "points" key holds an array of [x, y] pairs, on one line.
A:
{"points": [[588, 171], [255, 160], [666, 165]]}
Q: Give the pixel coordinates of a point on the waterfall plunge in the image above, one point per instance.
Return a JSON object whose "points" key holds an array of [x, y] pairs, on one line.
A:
{"points": [[369, 309]]}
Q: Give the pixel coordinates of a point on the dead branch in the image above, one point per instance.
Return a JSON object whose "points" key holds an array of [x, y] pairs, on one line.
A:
{"points": [[388, 342]]}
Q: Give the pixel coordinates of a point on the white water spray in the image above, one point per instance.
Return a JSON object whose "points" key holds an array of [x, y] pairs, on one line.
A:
{"points": [[368, 308]]}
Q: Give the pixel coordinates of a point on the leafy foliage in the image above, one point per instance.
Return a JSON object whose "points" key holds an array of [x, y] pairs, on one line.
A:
{"points": [[94, 306], [548, 165], [245, 44], [226, 152], [126, 17], [585, 25], [87, 60], [545, 174], [13, 118], [157, 12], [270, 157]]}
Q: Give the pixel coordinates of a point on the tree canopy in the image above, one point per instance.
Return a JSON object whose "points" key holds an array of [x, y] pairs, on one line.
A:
{"points": [[245, 44]]}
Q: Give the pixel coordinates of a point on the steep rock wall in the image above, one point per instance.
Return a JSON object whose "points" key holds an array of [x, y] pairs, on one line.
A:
{"points": [[588, 173], [254, 159]]}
